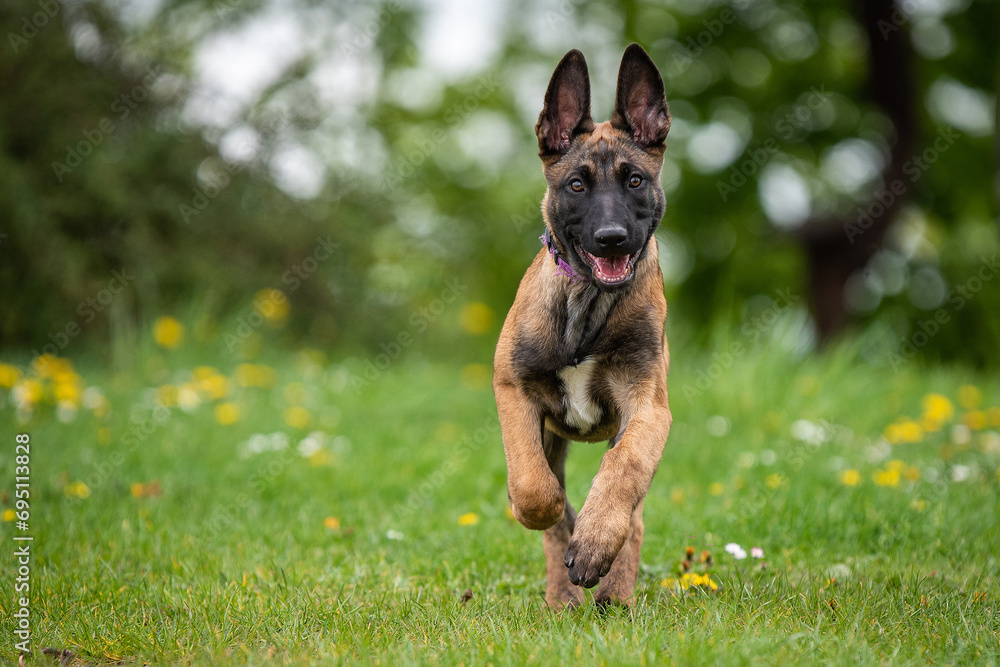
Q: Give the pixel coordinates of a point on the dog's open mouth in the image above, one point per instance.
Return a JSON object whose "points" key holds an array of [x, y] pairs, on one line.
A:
{"points": [[609, 270]]}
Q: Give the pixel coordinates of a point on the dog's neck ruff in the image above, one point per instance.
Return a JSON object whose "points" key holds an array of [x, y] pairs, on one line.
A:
{"points": [[563, 267]]}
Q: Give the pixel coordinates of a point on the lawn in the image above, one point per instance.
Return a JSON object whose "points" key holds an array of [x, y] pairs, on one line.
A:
{"points": [[290, 510]]}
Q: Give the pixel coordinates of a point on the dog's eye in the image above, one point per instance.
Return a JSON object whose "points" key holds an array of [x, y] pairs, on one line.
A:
{"points": [[576, 185], [635, 181]]}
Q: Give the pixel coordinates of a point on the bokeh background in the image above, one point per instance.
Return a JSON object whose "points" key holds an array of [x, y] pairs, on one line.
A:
{"points": [[340, 174]]}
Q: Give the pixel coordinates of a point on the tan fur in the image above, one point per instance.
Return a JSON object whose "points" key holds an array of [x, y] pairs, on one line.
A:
{"points": [[604, 132], [628, 376], [610, 522]]}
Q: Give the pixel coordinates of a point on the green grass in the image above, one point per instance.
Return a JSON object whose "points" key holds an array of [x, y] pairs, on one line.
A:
{"points": [[232, 562]]}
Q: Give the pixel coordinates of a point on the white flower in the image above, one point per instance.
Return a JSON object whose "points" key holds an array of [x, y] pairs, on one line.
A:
{"points": [[960, 473], [756, 552], [736, 551], [394, 535], [311, 444]]}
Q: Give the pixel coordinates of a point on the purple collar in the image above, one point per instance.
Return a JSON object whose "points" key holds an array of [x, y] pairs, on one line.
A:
{"points": [[562, 266]]}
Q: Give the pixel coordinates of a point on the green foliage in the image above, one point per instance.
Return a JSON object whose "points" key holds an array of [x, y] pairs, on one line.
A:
{"points": [[432, 177]]}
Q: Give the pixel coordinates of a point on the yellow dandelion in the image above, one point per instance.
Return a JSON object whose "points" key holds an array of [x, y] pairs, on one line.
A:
{"points": [[167, 395], [203, 373], [774, 480], [168, 332], [9, 375], [331, 523], [215, 387], [889, 477], [138, 489], [929, 424], [27, 393], [975, 420], [676, 495], [297, 417], [227, 413], [969, 396], [905, 430], [319, 458], [77, 490], [254, 375], [273, 305], [850, 477], [669, 582], [470, 519], [66, 392], [9, 515], [938, 407], [476, 318], [893, 433], [918, 504], [510, 513], [47, 365], [716, 488], [475, 376]]}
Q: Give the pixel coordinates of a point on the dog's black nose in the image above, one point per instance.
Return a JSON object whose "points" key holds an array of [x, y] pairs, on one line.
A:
{"points": [[610, 237]]}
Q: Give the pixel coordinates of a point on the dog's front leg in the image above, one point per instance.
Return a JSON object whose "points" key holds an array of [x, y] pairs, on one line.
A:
{"points": [[627, 469], [537, 499]]}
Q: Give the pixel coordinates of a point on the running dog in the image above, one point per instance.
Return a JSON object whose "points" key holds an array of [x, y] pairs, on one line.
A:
{"points": [[582, 354]]}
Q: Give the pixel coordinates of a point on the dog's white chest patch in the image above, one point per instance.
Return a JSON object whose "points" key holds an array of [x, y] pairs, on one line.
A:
{"points": [[581, 411]]}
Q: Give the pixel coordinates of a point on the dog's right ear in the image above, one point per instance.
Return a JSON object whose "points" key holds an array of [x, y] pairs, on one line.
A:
{"points": [[567, 105]]}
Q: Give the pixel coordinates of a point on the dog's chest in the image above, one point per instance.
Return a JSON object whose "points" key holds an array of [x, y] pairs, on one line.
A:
{"points": [[582, 411]]}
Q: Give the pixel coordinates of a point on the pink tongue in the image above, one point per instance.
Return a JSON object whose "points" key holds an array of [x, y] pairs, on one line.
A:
{"points": [[612, 268]]}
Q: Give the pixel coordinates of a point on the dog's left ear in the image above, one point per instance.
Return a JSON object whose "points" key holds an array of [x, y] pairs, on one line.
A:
{"points": [[640, 102]]}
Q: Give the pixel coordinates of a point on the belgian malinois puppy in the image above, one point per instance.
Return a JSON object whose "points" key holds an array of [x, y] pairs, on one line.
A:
{"points": [[582, 354]]}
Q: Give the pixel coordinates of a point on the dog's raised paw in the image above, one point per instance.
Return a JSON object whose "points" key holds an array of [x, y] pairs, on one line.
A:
{"points": [[586, 564]]}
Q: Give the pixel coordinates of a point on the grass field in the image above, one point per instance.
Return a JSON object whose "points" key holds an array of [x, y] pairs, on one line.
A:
{"points": [[282, 513]]}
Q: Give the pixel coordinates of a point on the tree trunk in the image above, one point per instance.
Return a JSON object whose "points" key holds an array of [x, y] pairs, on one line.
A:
{"points": [[837, 248]]}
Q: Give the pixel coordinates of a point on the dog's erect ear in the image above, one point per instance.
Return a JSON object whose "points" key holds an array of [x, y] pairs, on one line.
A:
{"points": [[567, 105], [640, 102]]}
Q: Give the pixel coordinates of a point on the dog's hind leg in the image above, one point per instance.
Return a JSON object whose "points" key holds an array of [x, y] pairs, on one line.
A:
{"points": [[559, 590], [618, 585]]}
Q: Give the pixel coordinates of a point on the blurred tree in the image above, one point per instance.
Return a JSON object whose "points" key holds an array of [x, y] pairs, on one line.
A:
{"points": [[370, 121]]}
